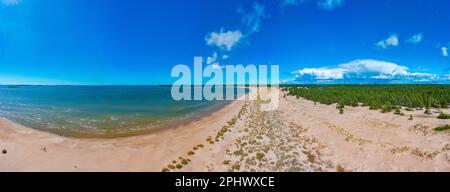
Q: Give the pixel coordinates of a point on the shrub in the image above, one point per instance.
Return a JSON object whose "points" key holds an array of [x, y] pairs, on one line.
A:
{"points": [[259, 156], [442, 128], [165, 170], [398, 112], [386, 109], [191, 153], [443, 115]]}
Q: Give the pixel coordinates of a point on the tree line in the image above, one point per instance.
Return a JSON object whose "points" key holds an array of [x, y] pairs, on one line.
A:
{"points": [[384, 97]]}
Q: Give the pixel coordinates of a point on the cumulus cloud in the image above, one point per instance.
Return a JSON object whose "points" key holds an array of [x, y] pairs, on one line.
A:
{"points": [[415, 39], [216, 66], [330, 4], [224, 40], [10, 2], [444, 51], [212, 59], [253, 19], [364, 69], [391, 41], [322, 73]]}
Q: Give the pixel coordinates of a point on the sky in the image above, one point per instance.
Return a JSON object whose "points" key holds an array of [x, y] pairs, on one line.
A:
{"points": [[135, 42]]}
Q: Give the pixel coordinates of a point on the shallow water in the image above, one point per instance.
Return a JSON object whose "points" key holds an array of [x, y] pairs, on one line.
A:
{"points": [[98, 111]]}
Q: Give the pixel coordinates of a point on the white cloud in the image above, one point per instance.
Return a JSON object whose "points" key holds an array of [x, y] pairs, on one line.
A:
{"points": [[224, 40], [253, 19], [415, 39], [391, 41], [251, 22], [322, 73], [10, 2], [365, 69], [216, 66], [225, 57], [330, 4], [444, 51], [374, 66], [212, 59]]}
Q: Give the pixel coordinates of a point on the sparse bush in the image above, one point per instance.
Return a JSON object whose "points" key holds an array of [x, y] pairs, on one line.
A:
{"points": [[386, 109], [165, 170], [191, 153], [442, 128], [398, 112], [443, 115], [259, 156]]}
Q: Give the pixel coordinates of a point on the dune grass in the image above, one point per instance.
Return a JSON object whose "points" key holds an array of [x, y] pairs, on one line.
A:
{"points": [[442, 128]]}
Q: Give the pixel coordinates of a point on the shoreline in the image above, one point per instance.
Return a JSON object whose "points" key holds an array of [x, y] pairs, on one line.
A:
{"points": [[299, 136], [35, 150]]}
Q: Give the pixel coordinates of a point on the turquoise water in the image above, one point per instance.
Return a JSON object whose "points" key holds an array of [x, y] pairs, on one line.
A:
{"points": [[99, 111]]}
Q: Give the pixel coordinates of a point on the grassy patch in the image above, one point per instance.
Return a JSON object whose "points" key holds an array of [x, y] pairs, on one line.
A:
{"points": [[259, 156], [443, 116], [165, 170], [442, 128]]}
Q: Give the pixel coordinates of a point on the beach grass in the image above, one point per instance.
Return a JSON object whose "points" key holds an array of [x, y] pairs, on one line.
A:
{"points": [[442, 128]]}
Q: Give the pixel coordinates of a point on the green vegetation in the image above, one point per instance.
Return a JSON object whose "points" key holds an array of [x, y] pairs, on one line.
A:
{"points": [[340, 106], [170, 166], [443, 116], [184, 161], [442, 128], [165, 170], [398, 112], [259, 156], [383, 97]]}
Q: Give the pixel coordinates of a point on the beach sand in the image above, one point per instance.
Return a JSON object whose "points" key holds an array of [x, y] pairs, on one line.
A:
{"points": [[299, 136], [33, 150]]}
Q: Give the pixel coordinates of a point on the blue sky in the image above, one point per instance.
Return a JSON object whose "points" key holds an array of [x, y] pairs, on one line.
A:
{"points": [[139, 41]]}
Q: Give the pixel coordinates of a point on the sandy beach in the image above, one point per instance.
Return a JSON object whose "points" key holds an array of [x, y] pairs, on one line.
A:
{"points": [[33, 150], [299, 136]]}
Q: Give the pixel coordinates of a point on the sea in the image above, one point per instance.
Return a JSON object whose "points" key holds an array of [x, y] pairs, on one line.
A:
{"points": [[101, 111]]}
